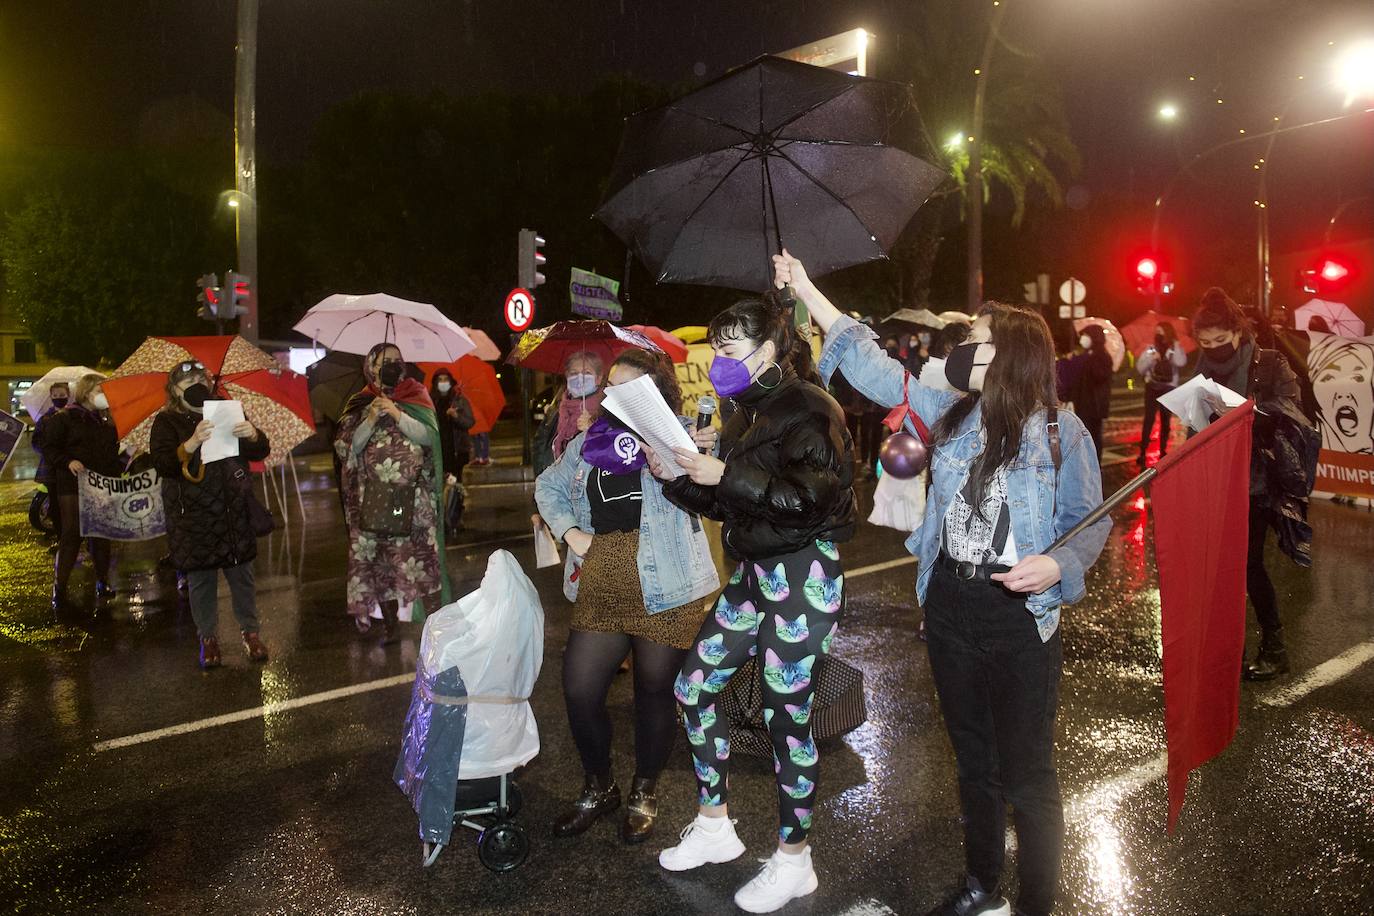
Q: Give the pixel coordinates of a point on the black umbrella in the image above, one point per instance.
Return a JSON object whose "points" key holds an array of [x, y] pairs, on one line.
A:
{"points": [[707, 188], [337, 377]]}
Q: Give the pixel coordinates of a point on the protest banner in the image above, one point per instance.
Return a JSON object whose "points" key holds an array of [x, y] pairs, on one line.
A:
{"points": [[127, 508], [1338, 375], [11, 431], [595, 296]]}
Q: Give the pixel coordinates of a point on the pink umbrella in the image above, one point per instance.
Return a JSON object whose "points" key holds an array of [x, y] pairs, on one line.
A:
{"points": [[673, 346], [355, 324], [1139, 333], [486, 351]]}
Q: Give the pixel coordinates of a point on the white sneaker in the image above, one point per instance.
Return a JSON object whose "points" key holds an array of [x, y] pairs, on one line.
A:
{"points": [[781, 879], [706, 840]]}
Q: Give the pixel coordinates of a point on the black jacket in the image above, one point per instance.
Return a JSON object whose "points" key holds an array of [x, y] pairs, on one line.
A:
{"points": [[1091, 388], [453, 433], [76, 434], [789, 473], [208, 525]]}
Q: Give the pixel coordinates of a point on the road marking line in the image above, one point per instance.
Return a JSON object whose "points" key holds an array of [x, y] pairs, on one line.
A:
{"points": [[256, 712], [1328, 672], [878, 567]]}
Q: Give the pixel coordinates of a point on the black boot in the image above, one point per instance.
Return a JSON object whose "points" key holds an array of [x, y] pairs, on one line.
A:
{"points": [[391, 623], [641, 809], [1270, 661], [600, 795]]}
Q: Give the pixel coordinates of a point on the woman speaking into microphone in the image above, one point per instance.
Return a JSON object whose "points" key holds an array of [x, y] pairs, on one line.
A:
{"points": [[783, 490], [1010, 473]]}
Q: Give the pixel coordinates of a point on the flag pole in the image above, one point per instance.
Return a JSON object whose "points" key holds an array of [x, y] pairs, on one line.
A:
{"points": [[1111, 502]]}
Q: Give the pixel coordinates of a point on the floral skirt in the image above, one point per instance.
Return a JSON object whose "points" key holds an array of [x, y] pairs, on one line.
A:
{"points": [[611, 600]]}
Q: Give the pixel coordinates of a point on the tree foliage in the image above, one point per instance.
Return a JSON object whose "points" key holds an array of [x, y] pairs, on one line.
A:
{"points": [[101, 255]]}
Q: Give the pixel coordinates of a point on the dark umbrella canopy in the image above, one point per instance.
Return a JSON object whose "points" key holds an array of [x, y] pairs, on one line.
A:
{"points": [[337, 377], [777, 153]]}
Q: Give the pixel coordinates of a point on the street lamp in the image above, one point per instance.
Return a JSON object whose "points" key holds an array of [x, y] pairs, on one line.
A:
{"points": [[1168, 111], [1355, 72]]}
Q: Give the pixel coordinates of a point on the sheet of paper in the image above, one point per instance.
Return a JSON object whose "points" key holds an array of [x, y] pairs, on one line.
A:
{"points": [[640, 404], [1198, 399], [545, 547], [223, 444]]}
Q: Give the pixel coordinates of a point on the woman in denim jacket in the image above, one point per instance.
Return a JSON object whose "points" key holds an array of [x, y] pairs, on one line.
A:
{"points": [[638, 568], [1010, 473]]}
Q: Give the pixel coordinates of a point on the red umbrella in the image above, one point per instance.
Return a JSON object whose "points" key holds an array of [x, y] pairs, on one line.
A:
{"points": [[673, 346], [277, 400], [1140, 333], [477, 380], [548, 349]]}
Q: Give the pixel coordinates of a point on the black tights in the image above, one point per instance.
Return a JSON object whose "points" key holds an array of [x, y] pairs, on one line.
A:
{"points": [[589, 666], [1257, 582], [69, 545]]}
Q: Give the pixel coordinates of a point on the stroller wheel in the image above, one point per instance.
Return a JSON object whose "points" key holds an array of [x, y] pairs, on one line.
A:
{"points": [[514, 799], [503, 846], [432, 851]]}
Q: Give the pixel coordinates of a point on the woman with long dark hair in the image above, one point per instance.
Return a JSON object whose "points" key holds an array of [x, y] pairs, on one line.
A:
{"points": [[1159, 366], [1010, 473], [644, 567], [783, 489], [388, 443]]}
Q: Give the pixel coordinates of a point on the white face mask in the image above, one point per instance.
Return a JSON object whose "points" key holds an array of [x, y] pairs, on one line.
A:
{"points": [[1085, 342], [100, 402], [444, 387]]}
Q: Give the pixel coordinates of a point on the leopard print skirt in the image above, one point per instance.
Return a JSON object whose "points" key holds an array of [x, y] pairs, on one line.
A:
{"points": [[610, 599]]}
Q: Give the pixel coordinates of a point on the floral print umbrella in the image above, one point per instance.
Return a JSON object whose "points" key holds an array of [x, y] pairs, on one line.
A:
{"points": [[276, 400]]}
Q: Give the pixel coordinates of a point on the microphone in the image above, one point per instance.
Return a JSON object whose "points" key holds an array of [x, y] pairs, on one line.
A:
{"points": [[706, 409]]}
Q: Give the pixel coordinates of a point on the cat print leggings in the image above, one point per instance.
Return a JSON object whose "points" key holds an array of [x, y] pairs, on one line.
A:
{"points": [[785, 610]]}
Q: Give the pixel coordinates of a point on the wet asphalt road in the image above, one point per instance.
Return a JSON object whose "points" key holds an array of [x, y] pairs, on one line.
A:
{"points": [[294, 812]]}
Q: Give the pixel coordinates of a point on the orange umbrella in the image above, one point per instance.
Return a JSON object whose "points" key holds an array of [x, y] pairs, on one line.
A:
{"points": [[477, 380], [277, 400], [673, 346], [1140, 333]]}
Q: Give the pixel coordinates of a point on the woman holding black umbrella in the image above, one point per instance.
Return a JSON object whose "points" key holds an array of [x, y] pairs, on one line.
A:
{"points": [[784, 491]]}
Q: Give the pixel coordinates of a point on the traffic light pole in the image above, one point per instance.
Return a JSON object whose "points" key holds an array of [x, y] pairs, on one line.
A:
{"points": [[245, 159], [975, 168]]}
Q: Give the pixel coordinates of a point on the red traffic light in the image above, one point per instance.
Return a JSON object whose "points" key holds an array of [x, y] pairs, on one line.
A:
{"points": [[1327, 275], [1333, 271], [1146, 268]]}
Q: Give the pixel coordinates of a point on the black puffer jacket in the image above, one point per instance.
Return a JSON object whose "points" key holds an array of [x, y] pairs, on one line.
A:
{"points": [[76, 434], [789, 473], [208, 526]]}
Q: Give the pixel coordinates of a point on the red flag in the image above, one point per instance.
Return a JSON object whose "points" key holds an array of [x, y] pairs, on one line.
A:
{"points": [[1201, 500]]}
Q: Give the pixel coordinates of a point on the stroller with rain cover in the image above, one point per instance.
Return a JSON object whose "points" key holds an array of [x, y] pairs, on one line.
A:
{"points": [[470, 724]]}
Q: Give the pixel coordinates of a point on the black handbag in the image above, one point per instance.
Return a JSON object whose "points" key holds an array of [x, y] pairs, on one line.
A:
{"points": [[260, 518], [386, 509]]}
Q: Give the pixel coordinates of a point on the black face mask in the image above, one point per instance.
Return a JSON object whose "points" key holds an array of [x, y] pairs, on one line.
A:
{"points": [[390, 374], [959, 366], [1220, 354], [59, 403], [196, 395]]}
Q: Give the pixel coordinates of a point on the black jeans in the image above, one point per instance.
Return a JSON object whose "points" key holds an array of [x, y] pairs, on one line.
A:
{"points": [[69, 545], [999, 690], [1257, 584], [1165, 417]]}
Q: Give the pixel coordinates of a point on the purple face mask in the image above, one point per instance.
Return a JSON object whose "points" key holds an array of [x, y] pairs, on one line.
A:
{"points": [[612, 449], [730, 376]]}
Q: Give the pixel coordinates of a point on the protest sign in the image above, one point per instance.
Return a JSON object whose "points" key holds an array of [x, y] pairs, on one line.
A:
{"points": [[11, 431], [127, 508], [595, 296]]}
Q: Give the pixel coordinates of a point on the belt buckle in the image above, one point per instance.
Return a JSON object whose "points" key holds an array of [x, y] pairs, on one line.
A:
{"points": [[966, 570]]}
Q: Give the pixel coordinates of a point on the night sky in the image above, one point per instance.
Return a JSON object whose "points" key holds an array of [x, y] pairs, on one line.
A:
{"points": [[101, 74]]}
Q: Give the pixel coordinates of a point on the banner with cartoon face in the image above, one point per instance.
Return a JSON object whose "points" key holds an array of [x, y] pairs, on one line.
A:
{"points": [[1339, 390], [127, 508]]}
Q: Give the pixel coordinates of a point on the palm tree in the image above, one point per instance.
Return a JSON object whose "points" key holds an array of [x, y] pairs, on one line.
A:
{"points": [[1026, 142]]}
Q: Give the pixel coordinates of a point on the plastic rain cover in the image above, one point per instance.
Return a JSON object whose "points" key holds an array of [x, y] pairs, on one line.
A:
{"points": [[469, 713]]}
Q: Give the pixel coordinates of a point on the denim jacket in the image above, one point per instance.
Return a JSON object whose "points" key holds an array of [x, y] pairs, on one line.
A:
{"points": [[675, 566], [1041, 508]]}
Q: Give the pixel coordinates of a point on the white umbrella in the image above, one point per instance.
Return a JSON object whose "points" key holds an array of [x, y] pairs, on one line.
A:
{"points": [[37, 400], [1116, 344], [952, 316], [486, 351], [1337, 315], [356, 324]]}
